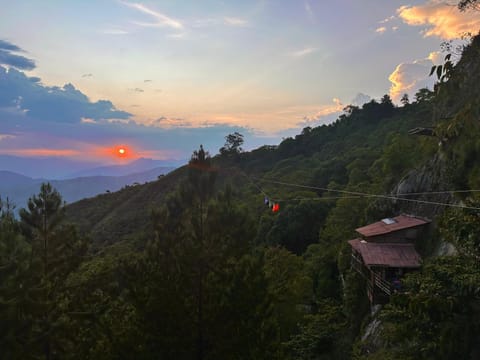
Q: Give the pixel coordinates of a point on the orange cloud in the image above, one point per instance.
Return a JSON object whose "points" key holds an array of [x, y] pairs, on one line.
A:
{"points": [[160, 154], [437, 57], [442, 20], [408, 78], [40, 152], [130, 153], [113, 152], [326, 110]]}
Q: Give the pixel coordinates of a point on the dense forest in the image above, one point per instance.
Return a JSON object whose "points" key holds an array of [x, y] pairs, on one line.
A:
{"points": [[197, 265]]}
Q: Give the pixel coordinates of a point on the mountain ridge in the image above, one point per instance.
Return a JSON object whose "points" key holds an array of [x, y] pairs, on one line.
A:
{"points": [[18, 188], [135, 166]]}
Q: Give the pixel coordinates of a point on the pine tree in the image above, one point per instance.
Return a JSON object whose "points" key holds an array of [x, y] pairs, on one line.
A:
{"points": [[56, 250], [201, 183], [14, 289], [198, 290]]}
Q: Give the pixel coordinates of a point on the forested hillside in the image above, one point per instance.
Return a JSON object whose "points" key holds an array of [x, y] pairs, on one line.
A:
{"points": [[197, 265]]}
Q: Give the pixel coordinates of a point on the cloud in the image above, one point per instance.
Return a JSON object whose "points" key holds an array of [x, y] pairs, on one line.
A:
{"points": [[337, 102], [56, 104], [177, 35], [233, 21], [308, 9], [87, 121], [6, 136], [408, 78], [303, 52], [62, 123], [175, 138], [166, 122], [325, 114], [114, 32], [9, 59], [220, 21], [440, 19], [5, 45], [147, 81], [202, 23], [360, 99], [137, 90], [386, 25], [436, 57], [386, 20], [40, 152], [87, 75], [162, 20], [329, 113]]}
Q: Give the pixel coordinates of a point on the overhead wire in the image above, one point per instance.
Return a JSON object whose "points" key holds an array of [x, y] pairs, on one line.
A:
{"points": [[356, 194], [359, 194], [255, 184]]}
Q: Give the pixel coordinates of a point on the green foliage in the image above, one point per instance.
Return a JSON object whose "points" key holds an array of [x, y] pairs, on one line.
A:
{"points": [[320, 336], [194, 264], [233, 144], [290, 287], [197, 288], [356, 304], [322, 268], [437, 317], [13, 272], [341, 222], [461, 227], [200, 287], [401, 155], [297, 225], [424, 95], [463, 5], [444, 71], [36, 257]]}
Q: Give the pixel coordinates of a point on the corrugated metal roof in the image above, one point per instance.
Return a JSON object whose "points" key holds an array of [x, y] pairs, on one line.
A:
{"points": [[386, 254], [400, 222]]}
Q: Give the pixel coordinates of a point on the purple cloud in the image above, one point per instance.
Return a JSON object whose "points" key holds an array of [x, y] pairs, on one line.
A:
{"points": [[13, 60]]}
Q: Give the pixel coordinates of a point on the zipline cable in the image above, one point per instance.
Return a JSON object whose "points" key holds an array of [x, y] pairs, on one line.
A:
{"points": [[363, 194]]}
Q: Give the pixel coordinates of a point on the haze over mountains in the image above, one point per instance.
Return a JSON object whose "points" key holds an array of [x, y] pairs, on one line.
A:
{"points": [[62, 168], [137, 166], [82, 184]]}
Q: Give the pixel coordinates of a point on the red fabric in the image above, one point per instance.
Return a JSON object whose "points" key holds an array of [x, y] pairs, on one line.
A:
{"points": [[275, 207]]}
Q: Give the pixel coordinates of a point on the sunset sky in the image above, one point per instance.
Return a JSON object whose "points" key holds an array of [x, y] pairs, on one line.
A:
{"points": [[79, 78]]}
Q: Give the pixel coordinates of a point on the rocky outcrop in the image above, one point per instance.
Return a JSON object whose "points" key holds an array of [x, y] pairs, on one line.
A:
{"points": [[370, 338], [432, 178]]}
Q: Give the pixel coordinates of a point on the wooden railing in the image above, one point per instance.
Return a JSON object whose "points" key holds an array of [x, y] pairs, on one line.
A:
{"points": [[378, 281], [358, 265], [382, 284]]}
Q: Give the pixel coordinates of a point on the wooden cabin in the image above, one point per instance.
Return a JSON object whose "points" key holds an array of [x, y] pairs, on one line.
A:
{"points": [[385, 252]]}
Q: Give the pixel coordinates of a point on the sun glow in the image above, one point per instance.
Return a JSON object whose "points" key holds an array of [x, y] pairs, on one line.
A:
{"points": [[122, 151]]}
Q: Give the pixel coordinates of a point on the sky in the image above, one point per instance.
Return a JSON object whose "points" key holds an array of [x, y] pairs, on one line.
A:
{"points": [[79, 79]]}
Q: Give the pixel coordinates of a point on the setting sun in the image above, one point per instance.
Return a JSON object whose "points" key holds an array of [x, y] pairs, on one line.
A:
{"points": [[122, 151]]}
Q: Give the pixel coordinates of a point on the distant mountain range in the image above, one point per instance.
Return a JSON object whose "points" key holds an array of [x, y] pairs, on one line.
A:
{"points": [[137, 166], [18, 188], [61, 168]]}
